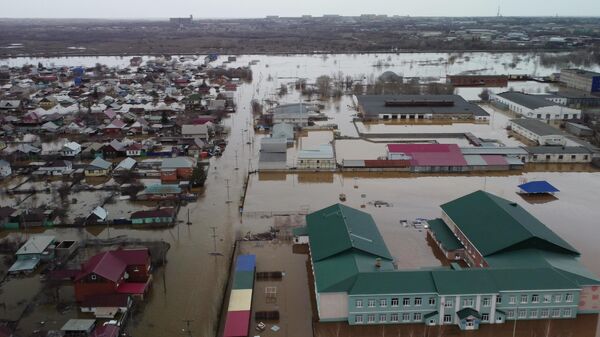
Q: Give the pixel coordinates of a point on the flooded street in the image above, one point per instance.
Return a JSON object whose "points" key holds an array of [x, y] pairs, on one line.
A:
{"points": [[192, 283]]}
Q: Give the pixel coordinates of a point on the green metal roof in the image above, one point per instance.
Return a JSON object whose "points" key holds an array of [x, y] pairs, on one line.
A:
{"points": [[339, 228], [530, 279], [444, 235], [243, 280], [300, 231], [394, 282], [494, 224], [431, 314], [466, 312], [465, 281]]}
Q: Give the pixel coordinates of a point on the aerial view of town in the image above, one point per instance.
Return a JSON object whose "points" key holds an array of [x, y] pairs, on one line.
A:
{"points": [[299, 170]]}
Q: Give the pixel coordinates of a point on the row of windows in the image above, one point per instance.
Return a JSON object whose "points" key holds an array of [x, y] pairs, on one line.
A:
{"points": [[468, 302], [547, 298], [394, 317], [542, 313], [371, 303]]}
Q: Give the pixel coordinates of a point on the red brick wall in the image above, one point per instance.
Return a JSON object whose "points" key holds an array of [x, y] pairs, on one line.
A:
{"points": [[84, 289]]}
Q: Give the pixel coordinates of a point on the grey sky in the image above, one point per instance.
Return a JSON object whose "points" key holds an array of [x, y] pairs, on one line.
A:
{"points": [[260, 8]]}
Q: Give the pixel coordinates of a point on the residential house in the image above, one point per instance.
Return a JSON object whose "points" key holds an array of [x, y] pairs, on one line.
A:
{"points": [[161, 216], [134, 150], [115, 127], [124, 271], [99, 215], [57, 168], [273, 154], [36, 218], [294, 114], [8, 218], [534, 106], [98, 168], [195, 131], [10, 105], [106, 306], [160, 192], [196, 148], [37, 249], [71, 149], [173, 169], [126, 165]]}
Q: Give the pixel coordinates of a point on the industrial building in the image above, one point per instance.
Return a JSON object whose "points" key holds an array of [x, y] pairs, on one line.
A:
{"points": [[585, 80], [478, 80], [559, 154], [534, 106], [537, 131], [518, 269], [407, 107], [320, 159]]}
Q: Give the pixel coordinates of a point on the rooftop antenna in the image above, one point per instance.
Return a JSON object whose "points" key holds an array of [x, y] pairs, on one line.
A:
{"points": [[498, 14]]}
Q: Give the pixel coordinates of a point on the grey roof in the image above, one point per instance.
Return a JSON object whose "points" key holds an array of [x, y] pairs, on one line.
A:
{"points": [[273, 145], [558, 150], [496, 150], [283, 130], [373, 105], [475, 160], [536, 126], [582, 72], [79, 325], [99, 163], [324, 151], [273, 157], [528, 101], [294, 108], [177, 162], [126, 164], [36, 244]]}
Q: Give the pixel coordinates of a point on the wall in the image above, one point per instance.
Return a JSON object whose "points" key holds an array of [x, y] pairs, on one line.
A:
{"points": [[383, 313], [333, 306], [534, 310], [473, 257], [560, 158]]}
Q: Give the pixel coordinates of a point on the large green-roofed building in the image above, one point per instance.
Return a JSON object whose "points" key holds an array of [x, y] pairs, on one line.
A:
{"points": [[517, 269]]}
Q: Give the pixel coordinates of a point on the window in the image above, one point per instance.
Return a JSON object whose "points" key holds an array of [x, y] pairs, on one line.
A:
{"points": [[547, 298], [358, 319], [560, 157], [485, 317], [523, 298], [382, 317], [585, 157], [499, 299], [395, 302], [417, 316], [555, 312], [406, 301], [383, 302], [468, 302], [522, 313], [371, 303], [359, 303], [371, 318], [432, 301], [418, 301], [486, 302], [394, 317], [533, 314], [535, 298], [573, 157], [448, 304], [406, 316], [557, 298], [447, 318], [567, 312], [569, 297], [510, 314], [544, 313], [512, 300]]}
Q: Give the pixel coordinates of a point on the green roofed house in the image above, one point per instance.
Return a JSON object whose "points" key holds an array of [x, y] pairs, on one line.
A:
{"points": [[518, 269]]}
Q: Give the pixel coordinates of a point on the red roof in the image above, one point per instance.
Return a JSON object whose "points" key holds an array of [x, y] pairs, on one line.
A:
{"points": [[132, 288], [495, 160], [112, 264], [387, 163], [107, 330], [430, 154], [237, 324], [157, 213]]}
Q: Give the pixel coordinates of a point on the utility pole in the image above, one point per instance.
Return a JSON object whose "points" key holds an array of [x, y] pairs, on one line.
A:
{"points": [[214, 236], [187, 329], [236, 161], [227, 185]]}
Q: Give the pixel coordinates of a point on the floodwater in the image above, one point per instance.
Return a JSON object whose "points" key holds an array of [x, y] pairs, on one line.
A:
{"points": [[191, 285]]}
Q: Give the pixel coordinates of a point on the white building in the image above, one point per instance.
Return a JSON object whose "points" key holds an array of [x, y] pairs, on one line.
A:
{"points": [[559, 154], [71, 149], [584, 80], [538, 131], [321, 158], [534, 106], [5, 169]]}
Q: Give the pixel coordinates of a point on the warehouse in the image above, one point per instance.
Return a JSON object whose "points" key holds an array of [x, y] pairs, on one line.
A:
{"points": [[537, 131], [588, 81], [534, 106], [407, 107], [559, 154]]}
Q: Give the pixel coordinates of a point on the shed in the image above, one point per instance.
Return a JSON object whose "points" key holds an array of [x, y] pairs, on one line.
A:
{"points": [[75, 327], [537, 187], [245, 263], [240, 300]]}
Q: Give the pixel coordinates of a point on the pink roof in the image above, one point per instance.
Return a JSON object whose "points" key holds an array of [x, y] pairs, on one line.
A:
{"points": [[110, 113], [431, 154], [495, 160], [116, 124], [132, 288], [237, 324], [107, 330]]}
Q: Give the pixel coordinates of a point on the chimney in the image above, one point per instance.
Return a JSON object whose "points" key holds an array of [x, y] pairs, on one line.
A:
{"points": [[377, 263]]}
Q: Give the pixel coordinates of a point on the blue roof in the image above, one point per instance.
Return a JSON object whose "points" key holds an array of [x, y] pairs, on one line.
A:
{"points": [[541, 186], [245, 263]]}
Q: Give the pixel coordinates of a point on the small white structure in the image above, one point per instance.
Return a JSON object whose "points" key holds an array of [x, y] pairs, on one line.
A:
{"points": [[534, 106], [71, 149], [321, 158], [5, 169]]}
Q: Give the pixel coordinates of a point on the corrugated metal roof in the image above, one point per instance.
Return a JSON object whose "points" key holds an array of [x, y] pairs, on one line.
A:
{"points": [[243, 280], [353, 163], [528, 101], [494, 150], [36, 244], [324, 151], [475, 160], [495, 160], [237, 324], [240, 300], [245, 263], [430, 154]]}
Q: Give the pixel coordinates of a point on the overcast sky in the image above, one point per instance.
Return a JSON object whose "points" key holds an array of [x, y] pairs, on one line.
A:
{"points": [[260, 8]]}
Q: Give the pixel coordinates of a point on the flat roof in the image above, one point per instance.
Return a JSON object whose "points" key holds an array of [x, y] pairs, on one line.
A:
{"points": [[528, 101], [79, 325], [373, 105], [508, 151], [582, 72], [538, 127], [558, 150]]}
